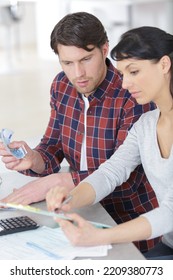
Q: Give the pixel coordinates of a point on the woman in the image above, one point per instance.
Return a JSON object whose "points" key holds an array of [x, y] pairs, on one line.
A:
{"points": [[145, 59]]}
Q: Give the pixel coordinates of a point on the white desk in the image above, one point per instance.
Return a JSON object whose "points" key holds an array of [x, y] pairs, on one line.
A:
{"points": [[95, 213]]}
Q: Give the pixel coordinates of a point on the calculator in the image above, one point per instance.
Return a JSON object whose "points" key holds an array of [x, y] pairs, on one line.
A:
{"points": [[17, 224]]}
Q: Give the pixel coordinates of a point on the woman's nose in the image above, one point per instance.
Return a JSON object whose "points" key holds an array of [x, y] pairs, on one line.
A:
{"points": [[126, 83]]}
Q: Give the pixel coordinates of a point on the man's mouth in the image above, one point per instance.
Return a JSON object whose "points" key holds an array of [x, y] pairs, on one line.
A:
{"points": [[83, 83]]}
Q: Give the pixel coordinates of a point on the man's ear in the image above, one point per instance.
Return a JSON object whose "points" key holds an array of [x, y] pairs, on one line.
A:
{"points": [[105, 49], [165, 63]]}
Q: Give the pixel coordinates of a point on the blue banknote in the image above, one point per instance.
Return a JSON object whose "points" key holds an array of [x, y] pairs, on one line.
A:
{"points": [[5, 136]]}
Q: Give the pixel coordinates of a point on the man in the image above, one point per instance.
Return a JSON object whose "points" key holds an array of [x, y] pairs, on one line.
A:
{"points": [[90, 116]]}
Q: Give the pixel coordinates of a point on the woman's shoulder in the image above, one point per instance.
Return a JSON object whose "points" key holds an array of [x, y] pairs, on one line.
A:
{"points": [[146, 122], [149, 116]]}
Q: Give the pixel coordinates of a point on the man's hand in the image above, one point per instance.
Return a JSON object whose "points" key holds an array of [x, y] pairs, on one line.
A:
{"points": [[32, 160], [36, 190]]}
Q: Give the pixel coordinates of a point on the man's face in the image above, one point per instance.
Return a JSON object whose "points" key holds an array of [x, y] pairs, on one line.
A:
{"points": [[85, 70]]}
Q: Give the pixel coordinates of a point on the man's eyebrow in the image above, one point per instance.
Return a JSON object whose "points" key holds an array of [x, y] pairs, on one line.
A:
{"points": [[65, 60], [86, 56]]}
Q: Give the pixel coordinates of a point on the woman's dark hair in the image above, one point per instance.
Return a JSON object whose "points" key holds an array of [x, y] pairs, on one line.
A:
{"points": [[145, 42], [78, 29]]}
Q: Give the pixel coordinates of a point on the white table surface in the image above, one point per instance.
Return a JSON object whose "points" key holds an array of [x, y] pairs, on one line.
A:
{"points": [[95, 213]]}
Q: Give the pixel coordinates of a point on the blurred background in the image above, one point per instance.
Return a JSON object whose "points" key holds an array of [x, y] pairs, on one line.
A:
{"points": [[27, 63]]}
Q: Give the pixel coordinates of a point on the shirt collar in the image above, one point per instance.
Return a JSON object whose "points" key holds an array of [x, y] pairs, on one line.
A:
{"points": [[106, 84]]}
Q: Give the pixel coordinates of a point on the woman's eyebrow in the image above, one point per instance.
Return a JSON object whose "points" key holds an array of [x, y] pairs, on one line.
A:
{"points": [[130, 64]]}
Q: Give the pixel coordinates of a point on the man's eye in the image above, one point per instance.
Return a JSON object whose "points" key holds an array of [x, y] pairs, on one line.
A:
{"points": [[87, 58], [67, 63]]}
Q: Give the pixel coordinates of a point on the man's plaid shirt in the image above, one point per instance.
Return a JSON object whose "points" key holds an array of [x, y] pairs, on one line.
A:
{"points": [[112, 111]]}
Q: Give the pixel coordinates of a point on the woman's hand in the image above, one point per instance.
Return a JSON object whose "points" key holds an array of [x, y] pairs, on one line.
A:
{"points": [[55, 198], [81, 232]]}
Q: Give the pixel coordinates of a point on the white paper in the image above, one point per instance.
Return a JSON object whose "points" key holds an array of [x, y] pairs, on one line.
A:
{"points": [[14, 246]]}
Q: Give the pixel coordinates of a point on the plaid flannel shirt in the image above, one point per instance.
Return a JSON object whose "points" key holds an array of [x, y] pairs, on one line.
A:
{"points": [[112, 111]]}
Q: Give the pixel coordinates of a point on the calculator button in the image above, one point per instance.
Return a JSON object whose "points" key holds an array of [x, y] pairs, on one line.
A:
{"points": [[1, 228], [17, 224]]}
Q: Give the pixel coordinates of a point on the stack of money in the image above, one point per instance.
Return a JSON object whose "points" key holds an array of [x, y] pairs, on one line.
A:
{"points": [[5, 136]]}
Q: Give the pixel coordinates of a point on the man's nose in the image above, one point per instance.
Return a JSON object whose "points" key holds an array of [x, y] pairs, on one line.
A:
{"points": [[79, 70]]}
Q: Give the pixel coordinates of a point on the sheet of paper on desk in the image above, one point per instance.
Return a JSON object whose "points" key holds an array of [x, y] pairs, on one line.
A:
{"points": [[44, 243]]}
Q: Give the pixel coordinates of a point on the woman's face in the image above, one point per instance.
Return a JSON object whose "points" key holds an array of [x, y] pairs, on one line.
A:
{"points": [[144, 79]]}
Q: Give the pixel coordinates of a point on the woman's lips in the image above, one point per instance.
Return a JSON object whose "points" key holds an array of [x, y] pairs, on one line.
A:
{"points": [[135, 94]]}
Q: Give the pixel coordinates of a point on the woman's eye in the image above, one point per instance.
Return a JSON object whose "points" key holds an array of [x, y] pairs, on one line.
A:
{"points": [[134, 72]]}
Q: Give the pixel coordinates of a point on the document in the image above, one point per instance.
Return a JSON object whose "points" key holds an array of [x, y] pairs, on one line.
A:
{"points": [[45, 243], [39, 211]]}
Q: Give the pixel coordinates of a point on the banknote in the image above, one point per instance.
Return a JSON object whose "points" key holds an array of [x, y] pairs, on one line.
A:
{"points": [[5, 136]]}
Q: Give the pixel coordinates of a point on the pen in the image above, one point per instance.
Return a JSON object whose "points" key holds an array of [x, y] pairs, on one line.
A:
{"points": [[65, 201], [44, 251]]}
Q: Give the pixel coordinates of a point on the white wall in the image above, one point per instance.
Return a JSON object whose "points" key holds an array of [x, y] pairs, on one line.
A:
{"points": [[159, 14], [48, 13], [40, 16], [18, 32], [114, 15]]}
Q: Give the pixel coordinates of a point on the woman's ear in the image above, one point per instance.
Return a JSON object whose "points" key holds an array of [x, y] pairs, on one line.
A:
{"points": [[165, 63]]}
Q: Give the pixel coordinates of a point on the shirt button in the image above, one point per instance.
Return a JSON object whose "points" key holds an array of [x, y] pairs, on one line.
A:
{"points": [[79, 133]]}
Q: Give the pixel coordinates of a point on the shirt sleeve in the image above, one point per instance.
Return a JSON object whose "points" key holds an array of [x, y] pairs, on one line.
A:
{"points": [[117, 169], [160, 218]]}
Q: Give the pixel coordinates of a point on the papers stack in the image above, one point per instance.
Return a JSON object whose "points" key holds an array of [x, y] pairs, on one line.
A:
{"points": [[45, 244]]}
